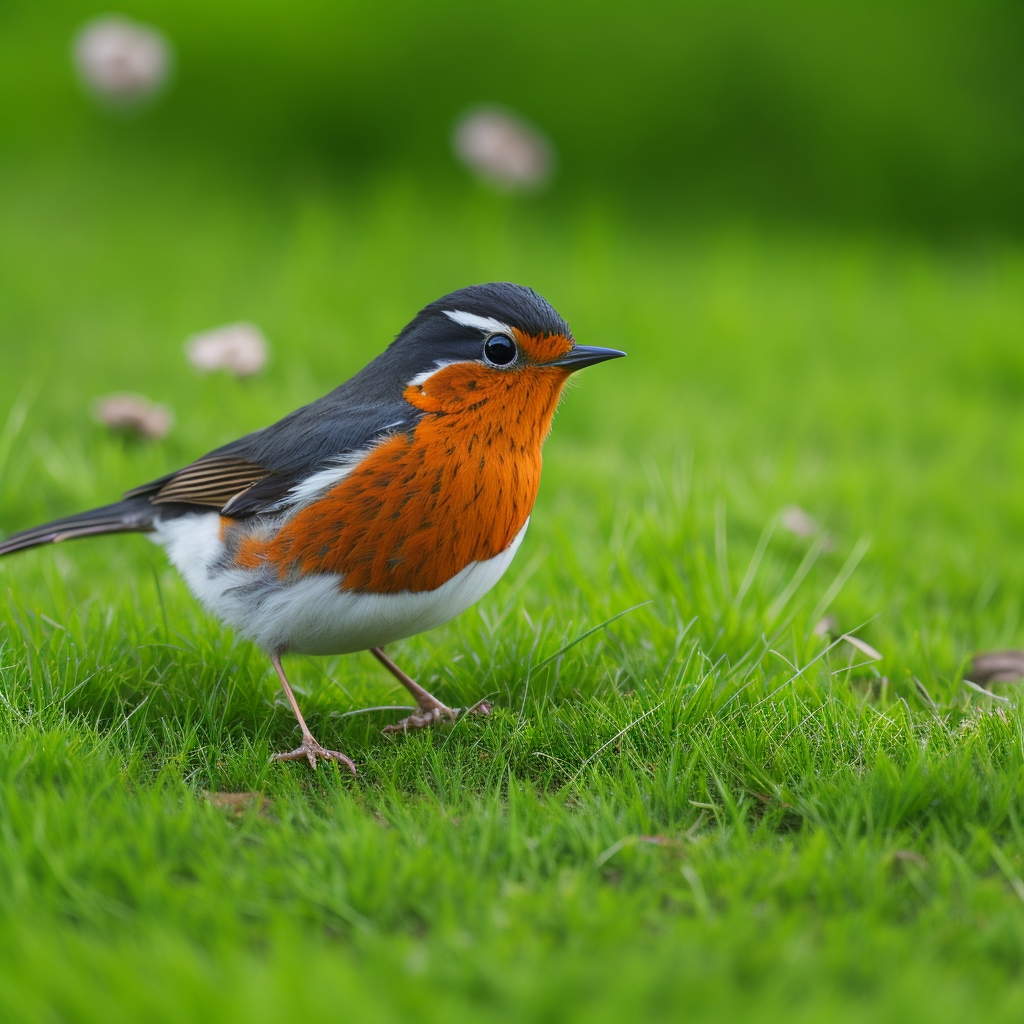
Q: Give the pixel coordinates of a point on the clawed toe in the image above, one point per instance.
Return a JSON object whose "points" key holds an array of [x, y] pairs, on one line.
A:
{"points": [[433, 713], [430, 710], [422, 718], [311, 750]]}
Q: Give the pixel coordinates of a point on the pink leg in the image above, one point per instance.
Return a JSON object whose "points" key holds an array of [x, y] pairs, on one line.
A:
{"points": [[309, 748], [431, 710]]}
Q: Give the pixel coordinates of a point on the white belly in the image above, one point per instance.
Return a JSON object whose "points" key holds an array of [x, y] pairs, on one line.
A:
{"points": [[313, 615]]}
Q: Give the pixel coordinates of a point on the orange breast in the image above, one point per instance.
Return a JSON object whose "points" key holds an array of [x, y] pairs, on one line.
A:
{"points": [[419, 509]]}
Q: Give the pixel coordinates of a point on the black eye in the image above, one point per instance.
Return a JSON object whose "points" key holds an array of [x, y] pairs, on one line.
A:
{"points": [[500, 350]]}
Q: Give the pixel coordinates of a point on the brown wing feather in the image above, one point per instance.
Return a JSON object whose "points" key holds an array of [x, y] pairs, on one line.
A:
{"points": [[209, 482]]}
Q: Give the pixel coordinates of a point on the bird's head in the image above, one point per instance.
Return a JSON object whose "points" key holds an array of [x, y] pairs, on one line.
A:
{"points": [[492, 344]]}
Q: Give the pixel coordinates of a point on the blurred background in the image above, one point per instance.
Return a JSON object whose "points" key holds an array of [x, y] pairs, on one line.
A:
{"points": [[903, 114], [802, 220]]}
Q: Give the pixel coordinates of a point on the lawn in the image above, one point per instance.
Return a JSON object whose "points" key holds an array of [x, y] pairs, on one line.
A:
{"points": [[699, 809], [688, 803]]}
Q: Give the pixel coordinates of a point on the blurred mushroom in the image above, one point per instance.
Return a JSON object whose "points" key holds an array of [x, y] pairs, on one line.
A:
{"points": [[240, 348], [503, 148], [997, 667], [134, 414], [826, 626], [799, 522], [120, 60]]}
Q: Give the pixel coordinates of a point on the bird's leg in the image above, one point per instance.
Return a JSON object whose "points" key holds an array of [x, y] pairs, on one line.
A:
{"points": [[309, 748], [430, 709]]}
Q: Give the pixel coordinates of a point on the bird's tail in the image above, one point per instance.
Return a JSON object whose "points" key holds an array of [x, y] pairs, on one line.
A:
{"points": [[133, 515]]}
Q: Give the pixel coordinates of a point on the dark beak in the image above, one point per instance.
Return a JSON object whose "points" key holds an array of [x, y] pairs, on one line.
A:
{"points": [[585, 355]]}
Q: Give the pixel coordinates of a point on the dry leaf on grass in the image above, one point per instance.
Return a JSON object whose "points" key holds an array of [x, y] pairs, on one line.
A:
{"points": [[863, 647]]}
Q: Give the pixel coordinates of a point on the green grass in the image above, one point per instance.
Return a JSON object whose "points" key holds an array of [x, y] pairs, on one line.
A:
{"points": [[832, 839]]}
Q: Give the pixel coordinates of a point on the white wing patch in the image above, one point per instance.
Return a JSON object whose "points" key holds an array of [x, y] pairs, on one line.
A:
{"points": [[314, 486], [487, 324], [322, 481], [422, 378]]}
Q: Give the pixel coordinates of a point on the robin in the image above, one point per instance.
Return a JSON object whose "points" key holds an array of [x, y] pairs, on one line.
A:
{"points": [[383, 509]]}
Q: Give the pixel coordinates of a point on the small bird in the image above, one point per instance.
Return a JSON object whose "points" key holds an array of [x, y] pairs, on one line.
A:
{"points": [[383, 509]]}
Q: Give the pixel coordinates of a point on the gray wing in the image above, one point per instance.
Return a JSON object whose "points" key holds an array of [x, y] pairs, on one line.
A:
{"points": [[255, 474]]}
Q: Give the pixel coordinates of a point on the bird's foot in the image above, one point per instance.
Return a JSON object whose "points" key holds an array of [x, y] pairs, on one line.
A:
{"points": [[432, 711], [311, 750]]}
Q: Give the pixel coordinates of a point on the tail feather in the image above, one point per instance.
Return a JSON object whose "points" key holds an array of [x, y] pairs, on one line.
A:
{"points": [[134, 515]]}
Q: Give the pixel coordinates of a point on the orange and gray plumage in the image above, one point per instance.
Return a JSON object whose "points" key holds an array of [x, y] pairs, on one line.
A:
{"points": [[382, 510]]}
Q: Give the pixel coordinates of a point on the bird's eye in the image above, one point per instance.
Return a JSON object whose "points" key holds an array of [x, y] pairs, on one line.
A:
{"points": [[500, 350]]}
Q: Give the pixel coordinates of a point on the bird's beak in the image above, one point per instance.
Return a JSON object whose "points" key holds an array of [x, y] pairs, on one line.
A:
{"points": [[585, 355]]}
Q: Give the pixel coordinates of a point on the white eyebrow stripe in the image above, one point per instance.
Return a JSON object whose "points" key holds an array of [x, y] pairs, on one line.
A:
{"points": [[487, 324]]}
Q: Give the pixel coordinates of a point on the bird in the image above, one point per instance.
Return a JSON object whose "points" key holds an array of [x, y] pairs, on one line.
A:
{"points": [[380, 511]]}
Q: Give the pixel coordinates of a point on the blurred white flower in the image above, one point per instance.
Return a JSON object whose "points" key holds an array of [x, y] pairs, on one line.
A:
{"points": [[240, 348], [503, 148], [134, 414], [799, 522], [121, 60]]}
